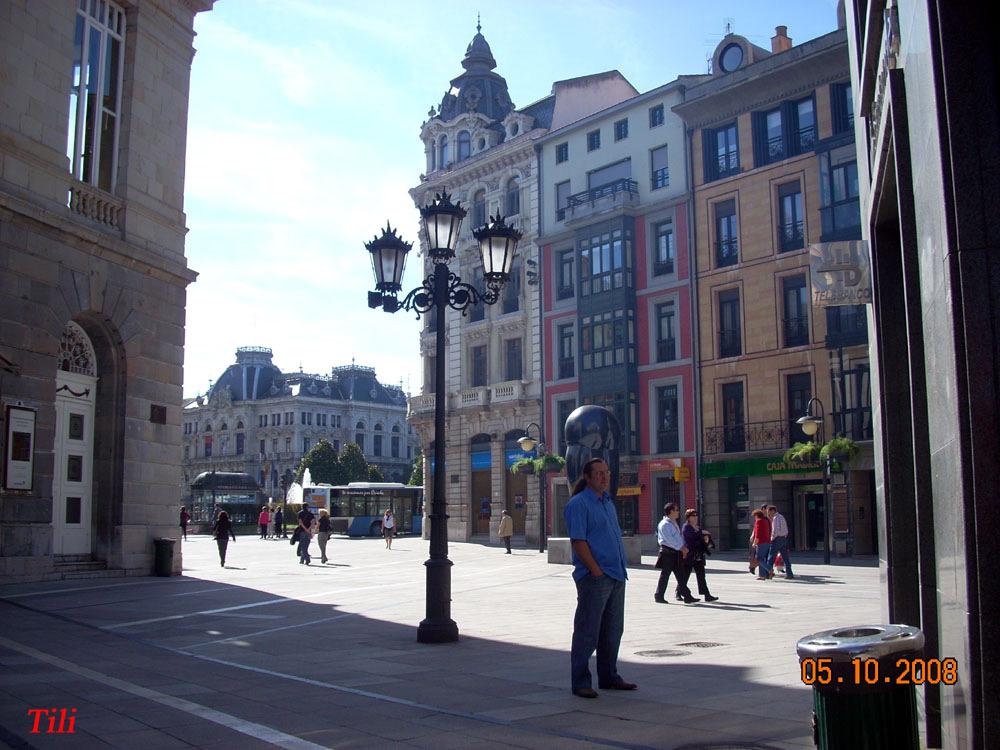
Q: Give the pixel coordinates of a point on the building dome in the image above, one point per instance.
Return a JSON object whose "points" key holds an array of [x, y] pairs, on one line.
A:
{"points": [[479, 89]]}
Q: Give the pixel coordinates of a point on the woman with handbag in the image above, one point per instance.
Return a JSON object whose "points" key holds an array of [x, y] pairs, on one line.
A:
{"points": [[698, 543]]}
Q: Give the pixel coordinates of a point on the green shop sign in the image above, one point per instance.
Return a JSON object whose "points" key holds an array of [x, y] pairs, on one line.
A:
{"points": [[756, 467]]}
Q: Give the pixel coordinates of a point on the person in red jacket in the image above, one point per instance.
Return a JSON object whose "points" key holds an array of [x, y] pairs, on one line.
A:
{"points": [[761, 540]]}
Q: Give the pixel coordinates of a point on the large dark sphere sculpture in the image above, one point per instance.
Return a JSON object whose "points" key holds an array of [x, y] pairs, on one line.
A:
{"points": [[592, 432]]}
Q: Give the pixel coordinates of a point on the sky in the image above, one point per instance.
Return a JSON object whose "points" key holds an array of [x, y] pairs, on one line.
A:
{"points": [[304, 139]]}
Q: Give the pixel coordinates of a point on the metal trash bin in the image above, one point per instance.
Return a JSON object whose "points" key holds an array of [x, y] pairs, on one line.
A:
{"points": [[863, 698], [163, 558]]}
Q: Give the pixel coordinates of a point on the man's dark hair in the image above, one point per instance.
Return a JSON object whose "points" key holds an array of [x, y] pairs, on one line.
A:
{"points": [[669, 508], [691, 512], [588, 469]]}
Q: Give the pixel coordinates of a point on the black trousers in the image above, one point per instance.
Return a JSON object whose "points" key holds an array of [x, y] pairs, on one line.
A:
{"points": [[669, 562], [506, 541], [223, 544], [699, 573]]}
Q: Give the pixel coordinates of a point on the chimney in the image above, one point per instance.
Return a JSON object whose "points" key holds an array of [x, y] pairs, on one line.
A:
{"points": [[841, 15], [780, 41]]}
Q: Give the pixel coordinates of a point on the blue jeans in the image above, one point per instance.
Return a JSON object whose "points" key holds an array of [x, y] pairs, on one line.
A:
{"points": [[779, 546], [764, 566], [303, 548], [598, 624]]}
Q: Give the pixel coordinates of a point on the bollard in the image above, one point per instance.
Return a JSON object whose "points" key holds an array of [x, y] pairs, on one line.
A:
{"points": [[163, 559], [863, 681]]}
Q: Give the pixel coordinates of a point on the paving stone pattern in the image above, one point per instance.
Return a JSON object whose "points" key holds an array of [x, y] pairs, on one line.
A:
{"points": [[270, 653]]}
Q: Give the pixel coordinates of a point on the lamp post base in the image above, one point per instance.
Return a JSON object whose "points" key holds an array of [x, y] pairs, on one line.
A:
{"points": [[445, 631]]}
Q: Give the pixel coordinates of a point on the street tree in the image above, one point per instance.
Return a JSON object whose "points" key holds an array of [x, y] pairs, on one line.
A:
{"points": [[323, 463], [417, 473], [354, 463]]}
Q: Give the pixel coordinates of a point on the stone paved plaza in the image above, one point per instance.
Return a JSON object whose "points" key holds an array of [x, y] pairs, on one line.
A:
{"points": [[270, 653]]}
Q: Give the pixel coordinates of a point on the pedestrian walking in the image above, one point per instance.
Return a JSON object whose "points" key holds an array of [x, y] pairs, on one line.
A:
{"points": [[185, 518], [270, 522], [262, 521], [699, 543], [304, 531], [279, 523], [323, 530], [388, 527], [506, 530], [673, 551], [222, 530], [761, 540], [599, 574], [779, 542]]}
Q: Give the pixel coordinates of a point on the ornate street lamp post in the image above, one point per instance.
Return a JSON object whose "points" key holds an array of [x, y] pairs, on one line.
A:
{"points": [[441, 222], [812, 426], [528, 444]]}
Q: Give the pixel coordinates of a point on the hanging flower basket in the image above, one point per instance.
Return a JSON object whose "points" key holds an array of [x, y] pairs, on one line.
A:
{"points": [[523, 466], [840, 449], [549, 464], [802, 453]]}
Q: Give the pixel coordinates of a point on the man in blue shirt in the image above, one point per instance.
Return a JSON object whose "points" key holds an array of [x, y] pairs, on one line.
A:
{"points": [[599, 572]]}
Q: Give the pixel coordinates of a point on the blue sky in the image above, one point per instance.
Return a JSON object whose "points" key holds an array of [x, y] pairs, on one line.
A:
{"points": [[303, 140]]}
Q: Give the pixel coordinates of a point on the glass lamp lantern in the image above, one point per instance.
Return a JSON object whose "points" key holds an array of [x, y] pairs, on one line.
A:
{"points": [[810, 424], [442, 220], [388, 255], [497, 247]]}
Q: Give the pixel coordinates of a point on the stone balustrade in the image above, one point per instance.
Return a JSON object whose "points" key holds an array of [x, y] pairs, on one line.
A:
{"points": [[95, 204]]}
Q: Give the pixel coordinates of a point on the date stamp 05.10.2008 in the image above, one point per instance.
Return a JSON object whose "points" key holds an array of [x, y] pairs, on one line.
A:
{"points": [[858, 672]]}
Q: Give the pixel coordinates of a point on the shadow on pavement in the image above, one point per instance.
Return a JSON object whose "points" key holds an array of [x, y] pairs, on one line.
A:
{"points": [[358, 679]]}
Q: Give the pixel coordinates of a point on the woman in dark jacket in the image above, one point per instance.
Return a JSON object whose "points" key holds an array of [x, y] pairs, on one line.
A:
{"points": [[698, 543], [222, 530]]}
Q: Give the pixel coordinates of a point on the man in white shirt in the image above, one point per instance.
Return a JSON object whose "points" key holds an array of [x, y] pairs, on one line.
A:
{"points": [[779, 540], [671, 557]]}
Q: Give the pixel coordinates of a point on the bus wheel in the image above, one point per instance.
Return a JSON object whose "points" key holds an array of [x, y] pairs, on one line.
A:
{"points": [[375, 529]]}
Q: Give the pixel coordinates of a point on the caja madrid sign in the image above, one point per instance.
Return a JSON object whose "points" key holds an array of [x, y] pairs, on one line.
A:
{"points": [[841, 273]]}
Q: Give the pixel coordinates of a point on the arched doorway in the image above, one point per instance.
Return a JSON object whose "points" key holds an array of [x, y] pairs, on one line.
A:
{"points": [[73, 472]]}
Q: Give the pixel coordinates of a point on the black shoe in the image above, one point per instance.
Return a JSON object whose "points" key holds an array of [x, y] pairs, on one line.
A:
{"points": [[691, 599], [620, 685], [659, 599], [586, 693], [710, 598]]}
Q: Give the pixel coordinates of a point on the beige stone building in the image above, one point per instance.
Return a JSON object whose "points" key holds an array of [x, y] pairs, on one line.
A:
{"points": [[774, 169], [93, 123], [481, 149]]}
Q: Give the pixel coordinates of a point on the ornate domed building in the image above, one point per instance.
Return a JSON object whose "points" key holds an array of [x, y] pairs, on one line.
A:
{"points": [[260, 421]]}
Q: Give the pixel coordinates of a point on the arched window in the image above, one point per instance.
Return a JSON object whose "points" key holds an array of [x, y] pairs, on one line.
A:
{"points": [[513, 196], [443, 161], [432, 156], [208, 428], [239, 425], [479, 208], [464, 145], [359, 435], [224, 427], [377, 443]]}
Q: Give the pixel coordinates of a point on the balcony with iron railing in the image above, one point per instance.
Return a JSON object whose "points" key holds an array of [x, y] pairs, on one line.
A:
{"points": [[746, 437], [602, 199], [567, 368], [775, 148], [807, 139], [660, 178], [791, 236], [796, 330], [726, 164], [730, 344], [727, 252], [666, 350], [841, 220]]}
